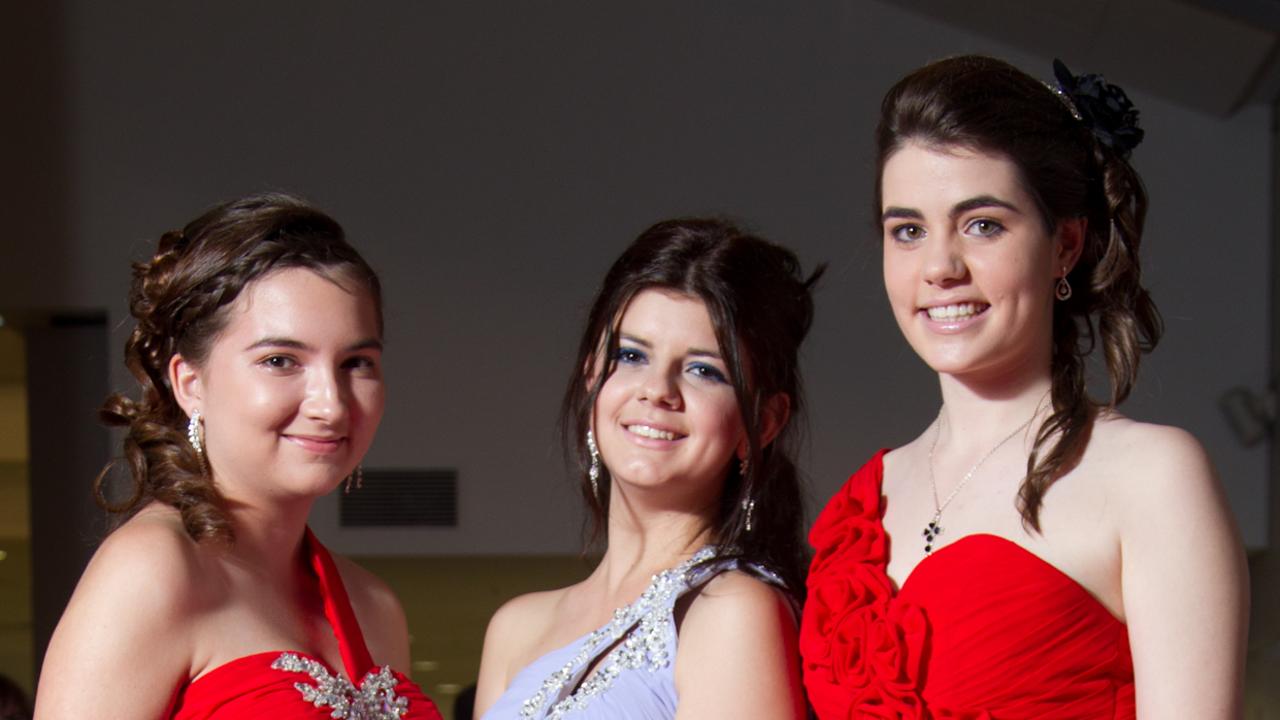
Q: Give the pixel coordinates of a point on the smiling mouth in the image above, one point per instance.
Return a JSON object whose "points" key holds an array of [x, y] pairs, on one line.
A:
{"points": [[957, 311], [651, 432], [317, 445]]}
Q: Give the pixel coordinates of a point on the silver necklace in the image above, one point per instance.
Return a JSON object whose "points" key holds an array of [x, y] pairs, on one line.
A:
{"points": [[933, 529]]}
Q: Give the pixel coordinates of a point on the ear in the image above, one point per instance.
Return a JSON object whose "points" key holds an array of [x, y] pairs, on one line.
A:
{"points": [[1068, 243], [773, 418], [184, 378]]}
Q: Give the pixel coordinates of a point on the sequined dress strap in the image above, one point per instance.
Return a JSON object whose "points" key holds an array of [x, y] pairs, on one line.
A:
{"points": [[639, 636]]}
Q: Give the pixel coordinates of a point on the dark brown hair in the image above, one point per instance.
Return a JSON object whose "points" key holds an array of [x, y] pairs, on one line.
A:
{"points": [[180, 300], [761, 308], [987, 105]]}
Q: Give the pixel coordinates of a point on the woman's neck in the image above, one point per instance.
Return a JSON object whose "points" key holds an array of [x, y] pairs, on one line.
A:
{"points": [[645, 541], [269, 536], [987, 412]]}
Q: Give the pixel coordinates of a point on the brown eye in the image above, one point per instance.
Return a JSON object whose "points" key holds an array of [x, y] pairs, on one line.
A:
{"points": [[985, 227], [908, 233], [280, 362]]}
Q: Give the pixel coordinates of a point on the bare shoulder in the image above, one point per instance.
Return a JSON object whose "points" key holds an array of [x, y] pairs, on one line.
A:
{"points": [[522, 619], [151, 550], [381, 616], [137, 605], [737, 655], [513, 631], [1151, 465], [736, 602]]}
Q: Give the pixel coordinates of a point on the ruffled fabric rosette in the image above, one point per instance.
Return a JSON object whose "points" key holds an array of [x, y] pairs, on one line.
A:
{"points": [[863, 649]]}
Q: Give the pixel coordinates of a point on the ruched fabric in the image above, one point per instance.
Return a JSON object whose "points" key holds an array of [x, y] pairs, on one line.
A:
{"points": [[981, 630]]}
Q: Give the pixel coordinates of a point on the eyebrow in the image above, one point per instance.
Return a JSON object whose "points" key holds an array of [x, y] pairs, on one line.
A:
{"points": [[697, 352], [964, 206], [283, 342]]}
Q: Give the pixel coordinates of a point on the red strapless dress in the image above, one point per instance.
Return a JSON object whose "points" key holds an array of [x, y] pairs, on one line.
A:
{"points": [[291, 685], [981, 630]]}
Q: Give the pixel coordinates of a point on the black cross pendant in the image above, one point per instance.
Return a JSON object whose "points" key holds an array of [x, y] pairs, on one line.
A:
{"points": [[931, 531]]}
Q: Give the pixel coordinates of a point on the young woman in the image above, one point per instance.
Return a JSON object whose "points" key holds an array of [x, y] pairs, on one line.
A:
{"points": [[678, 415], [1032, 553], [258, 348]]}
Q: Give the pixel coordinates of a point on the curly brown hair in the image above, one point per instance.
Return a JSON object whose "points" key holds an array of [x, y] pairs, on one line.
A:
{"points": [[180, 299], [985, 104]]}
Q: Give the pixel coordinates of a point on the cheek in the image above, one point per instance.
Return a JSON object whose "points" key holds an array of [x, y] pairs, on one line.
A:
{"points": [[371, 397], [721, 416], [899, 283], [613, 394]]}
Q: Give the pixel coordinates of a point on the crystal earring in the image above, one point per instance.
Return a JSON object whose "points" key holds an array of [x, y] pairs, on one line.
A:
{"points": [[195, 431], [593, 471], [750, 507], [1062, 290], [358, 474]]}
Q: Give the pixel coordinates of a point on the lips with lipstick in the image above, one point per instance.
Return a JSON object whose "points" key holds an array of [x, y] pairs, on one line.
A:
{"points": [[317, 443]]}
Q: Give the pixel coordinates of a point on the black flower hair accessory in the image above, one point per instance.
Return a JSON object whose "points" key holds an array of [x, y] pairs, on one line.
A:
{"points": [[1103, 108]]}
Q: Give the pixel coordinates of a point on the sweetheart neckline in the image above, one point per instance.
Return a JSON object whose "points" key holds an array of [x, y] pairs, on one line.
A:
{"points": [[263, 654], [898, 589]]}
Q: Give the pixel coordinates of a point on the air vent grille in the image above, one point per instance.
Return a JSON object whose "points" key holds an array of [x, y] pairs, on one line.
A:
{"points": [[402, 498]]}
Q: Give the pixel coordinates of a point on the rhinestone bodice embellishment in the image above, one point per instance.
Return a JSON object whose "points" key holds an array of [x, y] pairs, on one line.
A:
{"points": [[375, 699], [646, 626]]}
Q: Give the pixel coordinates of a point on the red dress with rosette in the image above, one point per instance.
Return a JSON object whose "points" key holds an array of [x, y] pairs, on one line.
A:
{"points": [[981, 630], [290, 685]]}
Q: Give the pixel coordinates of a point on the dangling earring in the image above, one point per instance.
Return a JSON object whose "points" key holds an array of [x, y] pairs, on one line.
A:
{"points": [[593, 471], [195, 431], [358, 475], [748, 505], [1062, 290]]}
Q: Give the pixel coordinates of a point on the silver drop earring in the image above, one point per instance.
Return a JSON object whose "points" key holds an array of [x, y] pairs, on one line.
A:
{"points": [[1062, 289], [194, 432], [358, 474], [748, 505], [593, 471]]}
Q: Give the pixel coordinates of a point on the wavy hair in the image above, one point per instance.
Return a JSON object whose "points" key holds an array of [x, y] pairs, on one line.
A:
{"points": [[987, 105], [180, 299]]}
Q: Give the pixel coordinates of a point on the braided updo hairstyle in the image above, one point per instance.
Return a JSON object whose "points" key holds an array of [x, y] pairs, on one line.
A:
{"points": [[761, 308], [180, 299], [1071, 148]]}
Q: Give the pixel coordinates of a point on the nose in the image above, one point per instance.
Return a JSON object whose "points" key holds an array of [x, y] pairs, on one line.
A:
{"points": [[326, 398], [660, 386], [944, 260]]}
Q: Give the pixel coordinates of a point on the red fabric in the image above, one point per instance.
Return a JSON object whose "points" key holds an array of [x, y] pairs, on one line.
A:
{"points": [[249, 687], [981, 630]]}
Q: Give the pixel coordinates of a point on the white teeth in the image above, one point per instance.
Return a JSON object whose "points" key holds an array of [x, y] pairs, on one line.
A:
{"points": [[951, 312], [649, 432]]}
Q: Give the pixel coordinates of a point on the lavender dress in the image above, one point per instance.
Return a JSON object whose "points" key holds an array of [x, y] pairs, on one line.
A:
{"points": [[635, 680]]}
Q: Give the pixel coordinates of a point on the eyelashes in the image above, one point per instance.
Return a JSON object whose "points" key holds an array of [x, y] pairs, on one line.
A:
{"points": [[633, 356], [983, 227]]}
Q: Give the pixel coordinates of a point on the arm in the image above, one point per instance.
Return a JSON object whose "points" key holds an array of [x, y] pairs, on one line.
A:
{"points": [[124, 644], [737, 656], [1183, 581]]}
